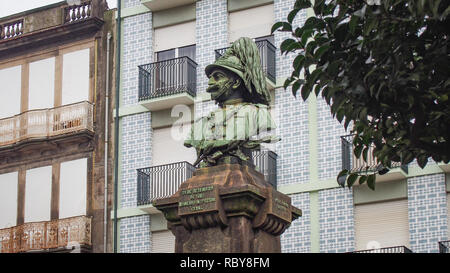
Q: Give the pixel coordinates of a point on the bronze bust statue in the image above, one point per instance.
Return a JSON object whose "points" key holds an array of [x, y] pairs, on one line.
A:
{"points": [[243, 121]]}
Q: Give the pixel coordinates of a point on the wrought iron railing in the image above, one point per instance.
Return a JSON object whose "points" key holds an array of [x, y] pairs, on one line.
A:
{"points": [[267, 54], [46, 123], [161, 181], [394, 249], [46, 235], [167, 78], [266, 162], [444, 247], [350, 162], [11, 29], [75, 13]]}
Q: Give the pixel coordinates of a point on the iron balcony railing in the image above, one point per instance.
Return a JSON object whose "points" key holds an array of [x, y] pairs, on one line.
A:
{"points": [[266, 162], [46, 235], [350, 162], [267, 54], [167, 78], [46, 123], [444, 247], [161, 181], [394, 249]]}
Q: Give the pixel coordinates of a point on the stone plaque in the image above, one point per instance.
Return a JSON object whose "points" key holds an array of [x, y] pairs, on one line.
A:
{"points": [[198, 200], [281, 206]]}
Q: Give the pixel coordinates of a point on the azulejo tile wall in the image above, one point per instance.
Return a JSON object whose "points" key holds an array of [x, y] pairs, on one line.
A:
{"points": [[136, 132], [329, 131], [337, 231], [135, 234], [211, 28], [292, 113], [427, 209], [296, 239]]}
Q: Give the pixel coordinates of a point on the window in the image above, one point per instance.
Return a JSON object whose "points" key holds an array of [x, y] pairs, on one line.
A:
{"points": [[75, 78], [41, 84], [253, 22], [168, 145], [38, 188], [10, 92], [8, 199], [384, 224], [163, 242], [72, 188]]}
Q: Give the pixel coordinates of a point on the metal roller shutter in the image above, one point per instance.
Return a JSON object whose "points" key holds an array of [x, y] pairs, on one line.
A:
{"points": [[168, 146], [379, 225], [163, 242]]}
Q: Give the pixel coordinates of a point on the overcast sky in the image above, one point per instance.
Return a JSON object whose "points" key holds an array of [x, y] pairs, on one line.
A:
{"points": [[8, 7]]}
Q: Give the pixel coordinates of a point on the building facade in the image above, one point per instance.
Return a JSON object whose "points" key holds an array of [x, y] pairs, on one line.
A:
{"points": [[56, 69], [165, 48]]}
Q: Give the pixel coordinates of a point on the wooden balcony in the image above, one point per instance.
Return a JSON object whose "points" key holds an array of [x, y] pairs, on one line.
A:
{"points": [[47, 235]]}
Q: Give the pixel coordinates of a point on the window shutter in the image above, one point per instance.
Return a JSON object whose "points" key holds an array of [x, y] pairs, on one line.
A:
{"points": [[380, 225], [163, 242]]}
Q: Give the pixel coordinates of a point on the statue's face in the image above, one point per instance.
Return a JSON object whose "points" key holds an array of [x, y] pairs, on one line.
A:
{"points": [[220, 85]]}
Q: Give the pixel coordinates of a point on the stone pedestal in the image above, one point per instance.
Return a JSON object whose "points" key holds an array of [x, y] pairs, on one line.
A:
{"points": [[228, 208]]}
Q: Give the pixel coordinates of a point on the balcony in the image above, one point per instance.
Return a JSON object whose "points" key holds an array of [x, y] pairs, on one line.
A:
{"points": [[53, 23], [46, 236], [394, 249], [444, 247], [350, 162], [163, 181], [167, 83], [266, 163], [45, 130], [267, 54]]}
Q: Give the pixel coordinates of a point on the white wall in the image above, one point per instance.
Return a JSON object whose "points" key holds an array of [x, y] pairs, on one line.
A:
{"points": [[252, 23], [72, 188], [184, 33], [38, 192], [8, 199], [168, 145], [10, 90], [42, 84], [75, 81]]}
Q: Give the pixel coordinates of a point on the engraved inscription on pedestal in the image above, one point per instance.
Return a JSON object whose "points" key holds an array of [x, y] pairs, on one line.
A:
{"points": [[281, 206], [198, 200]]}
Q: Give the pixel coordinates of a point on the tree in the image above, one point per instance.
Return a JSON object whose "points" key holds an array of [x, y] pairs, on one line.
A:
{"points": [[382, 66]]}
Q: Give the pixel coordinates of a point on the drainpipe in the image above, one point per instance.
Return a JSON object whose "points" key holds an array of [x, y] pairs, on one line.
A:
{"points": [[116, 124], [105, 216]]}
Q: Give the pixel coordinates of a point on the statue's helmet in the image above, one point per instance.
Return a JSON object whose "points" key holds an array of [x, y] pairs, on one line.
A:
{"points": [[243, 59]]}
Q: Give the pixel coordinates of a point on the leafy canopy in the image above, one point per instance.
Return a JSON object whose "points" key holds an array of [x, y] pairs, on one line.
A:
{"points": [[382, 66]]}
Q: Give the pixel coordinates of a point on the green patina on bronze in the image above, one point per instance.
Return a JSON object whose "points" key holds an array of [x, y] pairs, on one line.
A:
{"points": [[243, 121]]}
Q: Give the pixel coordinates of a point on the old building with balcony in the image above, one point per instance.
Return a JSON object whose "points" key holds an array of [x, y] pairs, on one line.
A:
{"points": [[56, 71], [166, 46]]}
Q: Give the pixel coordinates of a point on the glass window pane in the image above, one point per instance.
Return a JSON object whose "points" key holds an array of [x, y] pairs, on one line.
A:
{"points": [[188, 51]]}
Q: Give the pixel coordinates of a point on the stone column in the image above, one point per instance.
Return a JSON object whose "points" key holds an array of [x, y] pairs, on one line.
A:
{"points": [[228, 208]]}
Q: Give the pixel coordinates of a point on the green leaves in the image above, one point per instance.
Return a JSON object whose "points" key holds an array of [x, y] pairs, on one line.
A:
{"points": [[382, 68]]}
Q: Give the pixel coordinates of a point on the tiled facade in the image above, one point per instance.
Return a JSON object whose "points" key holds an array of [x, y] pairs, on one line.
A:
{"points": [[296, 239], [428, 221], [337, 231], [135, 132], [427, 209], [329, 131], [135, 234], [212, 33]]}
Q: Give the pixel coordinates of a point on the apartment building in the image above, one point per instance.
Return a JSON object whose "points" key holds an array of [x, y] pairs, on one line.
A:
{"points": [[165, 48], [56, 69]]}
